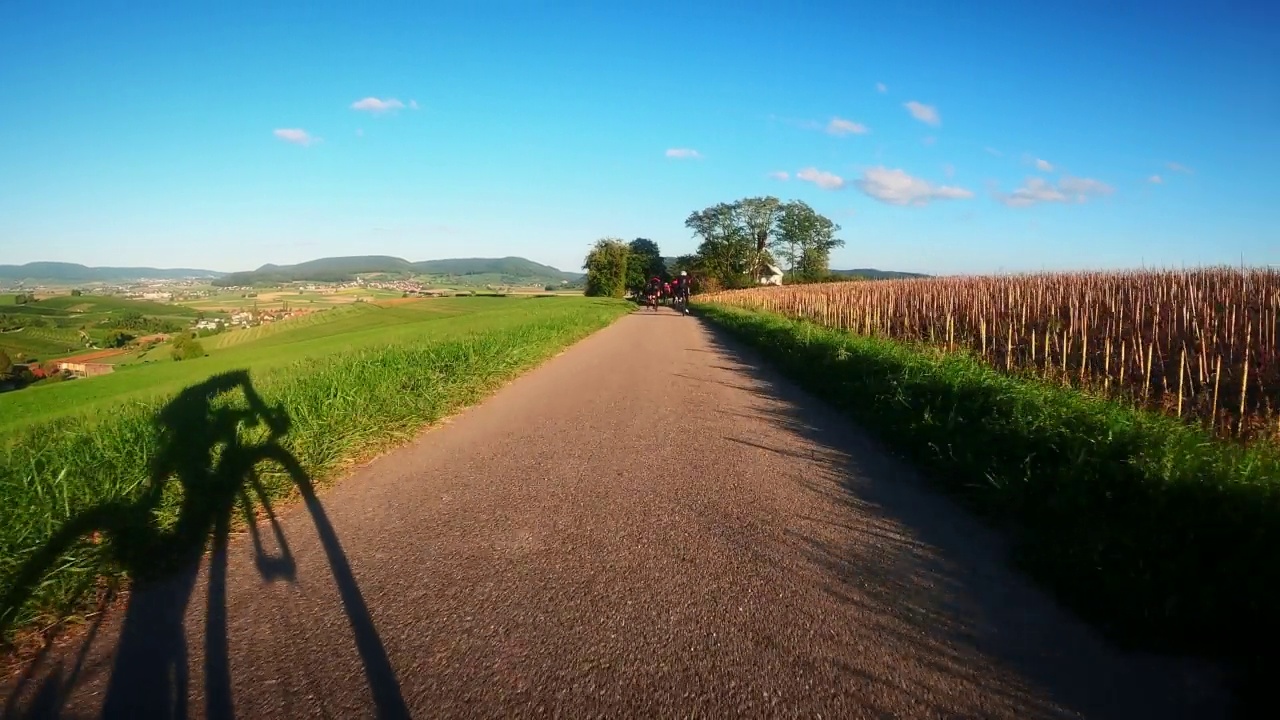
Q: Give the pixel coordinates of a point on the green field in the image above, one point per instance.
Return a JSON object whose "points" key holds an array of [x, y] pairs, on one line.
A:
{"points": [[349, 327], [61, 318], [331, 393]]}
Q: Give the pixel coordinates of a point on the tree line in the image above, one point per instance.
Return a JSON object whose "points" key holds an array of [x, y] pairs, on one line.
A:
{"points": [[737, 243]]}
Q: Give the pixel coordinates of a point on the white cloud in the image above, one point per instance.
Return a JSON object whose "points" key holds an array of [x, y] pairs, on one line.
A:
{"points": [[924, 113], [896, 187], [780, 175], [1155, 179], [994, 151], [929, 140], [413, 104], [949, 170], [1039, 190], [359, 132], [375, 105], [840, 126], [1083, 188], [821, 178], [1044, 165], [297, 136], [882, 88], [1179, 167], [684, 153], [1034, 191]]}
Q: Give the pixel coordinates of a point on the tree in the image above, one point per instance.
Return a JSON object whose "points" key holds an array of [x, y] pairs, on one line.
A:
{"points": [[76, 293], [726, 250], [185, 347], [645, 262], [6, 365], [805, 239], [606, 267], [117, 339], [760, 216]]}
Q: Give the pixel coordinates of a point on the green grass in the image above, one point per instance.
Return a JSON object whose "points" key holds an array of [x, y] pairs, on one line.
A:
{"points": [[62, 479], [362, 325], [1157, 533]]}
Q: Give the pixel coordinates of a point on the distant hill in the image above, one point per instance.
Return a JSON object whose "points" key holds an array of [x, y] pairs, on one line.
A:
{"points": [[873, 274], [58, 272], [341, 269]]}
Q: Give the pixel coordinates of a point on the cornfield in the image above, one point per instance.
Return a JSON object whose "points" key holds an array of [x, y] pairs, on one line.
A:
{"points": [[1198, 344]]}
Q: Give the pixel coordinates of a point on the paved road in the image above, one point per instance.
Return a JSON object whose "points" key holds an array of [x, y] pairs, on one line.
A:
{"points": [[649, 525]]}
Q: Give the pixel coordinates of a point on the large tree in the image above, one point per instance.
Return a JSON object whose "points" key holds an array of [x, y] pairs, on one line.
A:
{"points": [[760, 217], [606, 267], [645, 262], [805, 239], [727, 249]]}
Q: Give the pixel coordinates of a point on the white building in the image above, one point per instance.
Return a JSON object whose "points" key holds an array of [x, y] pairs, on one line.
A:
{"points": [[770, 275]]}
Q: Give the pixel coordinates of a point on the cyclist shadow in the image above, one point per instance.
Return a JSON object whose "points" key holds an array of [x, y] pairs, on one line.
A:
{"points": [[203, 456]]}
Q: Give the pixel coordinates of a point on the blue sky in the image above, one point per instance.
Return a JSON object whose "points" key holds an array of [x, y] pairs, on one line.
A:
{"points": [[942, 137]]}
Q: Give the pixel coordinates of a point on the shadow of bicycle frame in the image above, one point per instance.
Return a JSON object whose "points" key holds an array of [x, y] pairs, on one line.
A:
{"points": [[203, 451]]}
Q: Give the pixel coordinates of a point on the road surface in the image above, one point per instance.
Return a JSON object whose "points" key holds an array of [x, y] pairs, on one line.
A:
{"points": [[649, 525]]}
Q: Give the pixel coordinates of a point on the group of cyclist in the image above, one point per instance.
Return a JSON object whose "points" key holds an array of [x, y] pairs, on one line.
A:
{"points": [[674, 292]]}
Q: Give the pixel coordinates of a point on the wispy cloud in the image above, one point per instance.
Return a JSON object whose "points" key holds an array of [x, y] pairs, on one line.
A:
{"points": [[821, 178], [684, 153], [992, 151], [780, 175], [376, 105], [840, 126], [413, 104], [949, 170], [882, 88], [930, 140], [1043, 165], [359, 132], [297, 136], [896, 187], [1068, 189], [1179, 167], [1083, 188], [1155, 180], [924, 113]]}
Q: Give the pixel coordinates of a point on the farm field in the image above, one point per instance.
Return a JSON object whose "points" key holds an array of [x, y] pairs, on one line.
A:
{"points": [[1200, 345], [58, 321], [279, 298], [354, 327]]}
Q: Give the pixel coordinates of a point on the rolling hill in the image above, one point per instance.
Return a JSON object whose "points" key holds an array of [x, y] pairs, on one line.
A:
{"points": [[338, 269], [873, 274], [60, 272]]}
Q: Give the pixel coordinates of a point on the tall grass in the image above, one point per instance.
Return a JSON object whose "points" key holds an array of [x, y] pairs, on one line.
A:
{"points": [[1201, 344], [341, 408]]}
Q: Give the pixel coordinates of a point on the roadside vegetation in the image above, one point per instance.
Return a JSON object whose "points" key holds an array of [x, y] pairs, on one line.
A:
{"points": [[1128, 492], [345, 397]]}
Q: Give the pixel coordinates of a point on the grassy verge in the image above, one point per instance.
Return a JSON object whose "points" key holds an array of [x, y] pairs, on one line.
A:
{"points": [[76, 472], [354, 327], [1150, 529]]}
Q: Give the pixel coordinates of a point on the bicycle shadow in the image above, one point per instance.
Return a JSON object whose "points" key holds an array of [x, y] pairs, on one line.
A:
{"points": [[203, 456]]}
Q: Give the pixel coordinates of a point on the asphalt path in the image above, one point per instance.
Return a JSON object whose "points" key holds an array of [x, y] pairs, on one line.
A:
{"points": [[651, 524]]}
